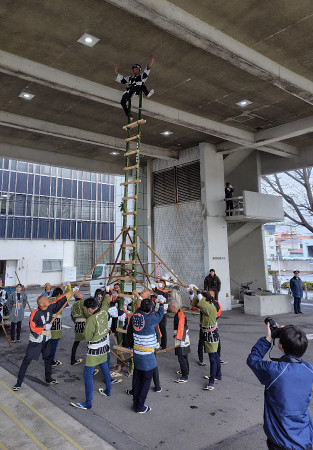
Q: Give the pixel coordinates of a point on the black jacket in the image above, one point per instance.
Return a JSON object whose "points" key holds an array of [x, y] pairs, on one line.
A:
{"points": [[212, 283]]}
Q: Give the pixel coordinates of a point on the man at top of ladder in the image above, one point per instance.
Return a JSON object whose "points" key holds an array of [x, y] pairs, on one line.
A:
{"points": [[135, 84]]}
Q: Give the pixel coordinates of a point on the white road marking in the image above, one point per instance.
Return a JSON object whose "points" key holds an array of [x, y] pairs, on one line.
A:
{"points": [[309, 336], [65, 326]]}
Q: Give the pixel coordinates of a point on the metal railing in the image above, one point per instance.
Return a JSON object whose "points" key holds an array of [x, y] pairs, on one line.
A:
{"points": [[234, 206]]}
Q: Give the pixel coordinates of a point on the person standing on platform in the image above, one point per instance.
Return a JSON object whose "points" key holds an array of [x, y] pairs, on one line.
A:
{"points": [[297, 291], [212, 283], [39, 338], [16, 304], [229, 195]]}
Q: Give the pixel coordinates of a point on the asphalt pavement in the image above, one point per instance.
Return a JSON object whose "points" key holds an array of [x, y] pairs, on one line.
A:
{"points": [[183, 416]]}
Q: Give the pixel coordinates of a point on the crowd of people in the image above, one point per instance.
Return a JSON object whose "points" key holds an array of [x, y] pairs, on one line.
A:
{"points": [[288, 381], [144, 332]]}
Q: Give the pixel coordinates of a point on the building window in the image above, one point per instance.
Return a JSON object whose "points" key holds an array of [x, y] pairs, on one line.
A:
{"points": [[52, 265]]}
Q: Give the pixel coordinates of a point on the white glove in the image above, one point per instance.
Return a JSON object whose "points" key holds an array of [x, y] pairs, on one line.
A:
{"points": [[191, 297], [161, 299], [75, 289], [200, 297], [166, 307], [107, 288], [152, 286], [191, 287], [48, 326], [182, 343], [66, 283]]}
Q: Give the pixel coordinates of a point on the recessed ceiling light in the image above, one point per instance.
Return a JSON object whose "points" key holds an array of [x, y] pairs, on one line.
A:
{"points": [[26, 95], [166, 133], [114, 153], [244, 103], [88, 39]]}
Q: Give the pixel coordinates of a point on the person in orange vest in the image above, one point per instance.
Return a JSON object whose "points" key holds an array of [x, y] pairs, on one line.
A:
{"points": [[182, 339]]}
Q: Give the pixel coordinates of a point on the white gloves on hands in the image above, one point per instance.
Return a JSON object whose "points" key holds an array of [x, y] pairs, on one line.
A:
{"points": [[152, 286], [48, 326], [161, 299], [75, 289], [191, 287], [107, 288]]}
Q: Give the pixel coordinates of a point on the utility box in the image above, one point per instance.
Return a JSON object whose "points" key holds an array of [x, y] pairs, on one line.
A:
{"points": [[69, 274]]}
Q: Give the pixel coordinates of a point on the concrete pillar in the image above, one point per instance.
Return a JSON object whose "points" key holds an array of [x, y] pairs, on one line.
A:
{"points": [[214, 224], [247, 258]]}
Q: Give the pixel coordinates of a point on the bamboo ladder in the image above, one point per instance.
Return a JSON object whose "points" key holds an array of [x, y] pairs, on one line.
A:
{"points": [[130, 203]]}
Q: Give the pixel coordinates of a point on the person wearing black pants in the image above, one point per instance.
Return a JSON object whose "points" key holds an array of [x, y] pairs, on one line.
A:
{"points": [[39, 338], [181, 339], [135, 84]]}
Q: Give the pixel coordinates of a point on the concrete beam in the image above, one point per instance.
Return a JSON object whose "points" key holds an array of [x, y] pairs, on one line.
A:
{"points": [[241, 232], [188, 28], [56, 79], [286, 131], [276, 148], [233, 160], [59, 159], [75, 134], [273, 164]]}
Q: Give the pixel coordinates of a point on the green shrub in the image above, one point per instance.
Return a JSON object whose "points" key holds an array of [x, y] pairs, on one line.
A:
{"points": [[286, 285], [272, 272]]}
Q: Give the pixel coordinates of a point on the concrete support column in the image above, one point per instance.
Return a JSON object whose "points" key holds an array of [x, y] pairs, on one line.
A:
{"points": [[214, 224], [247, 258]]}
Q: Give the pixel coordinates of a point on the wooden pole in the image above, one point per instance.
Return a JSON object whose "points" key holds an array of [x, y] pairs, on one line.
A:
{"points": [[140, 282], [157, 278], [116, 259], [147, 276], [151, 249], [6, 334], [23, 286], [90, 271], [167, 349]]}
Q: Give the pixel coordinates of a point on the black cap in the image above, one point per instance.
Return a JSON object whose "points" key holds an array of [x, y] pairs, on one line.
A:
{"points": [[296, 271]]}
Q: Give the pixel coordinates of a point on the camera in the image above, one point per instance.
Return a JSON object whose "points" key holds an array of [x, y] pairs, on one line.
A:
{"points": [[275, 330]]}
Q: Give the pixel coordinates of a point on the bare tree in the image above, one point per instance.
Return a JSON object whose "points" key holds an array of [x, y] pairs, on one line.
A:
{"points": [[296, 190]]}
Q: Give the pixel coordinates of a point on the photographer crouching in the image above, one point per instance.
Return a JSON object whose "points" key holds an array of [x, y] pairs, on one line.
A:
{"points": [[288, 386]]}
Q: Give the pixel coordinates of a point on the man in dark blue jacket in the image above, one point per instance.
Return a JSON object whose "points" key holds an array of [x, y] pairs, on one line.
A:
{"points": [[288, 386], [144, 322], [297, 292]]}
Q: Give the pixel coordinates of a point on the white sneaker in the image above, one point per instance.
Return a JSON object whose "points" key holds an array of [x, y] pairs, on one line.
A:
{"points": [[150, 93]]}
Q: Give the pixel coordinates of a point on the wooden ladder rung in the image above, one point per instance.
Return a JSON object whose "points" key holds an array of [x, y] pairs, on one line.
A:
{"points": [[119, 348], [133, 138], [130, 198], [126, 295], [132, 152], [130, 182], [129, 229], [131, 167], [127, 262], [129, 213], [134, 124], [129, 245], [123, 278]]}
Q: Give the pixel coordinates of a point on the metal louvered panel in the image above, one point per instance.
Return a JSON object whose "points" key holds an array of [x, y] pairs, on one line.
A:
{"points": [[164, 187], [188, 182]]}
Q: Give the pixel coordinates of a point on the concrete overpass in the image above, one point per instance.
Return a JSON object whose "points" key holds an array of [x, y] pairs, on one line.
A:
{"points": [[210, 58]]}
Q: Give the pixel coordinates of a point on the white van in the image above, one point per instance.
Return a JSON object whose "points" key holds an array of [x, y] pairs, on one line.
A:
{"points": [[98, 281]]}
